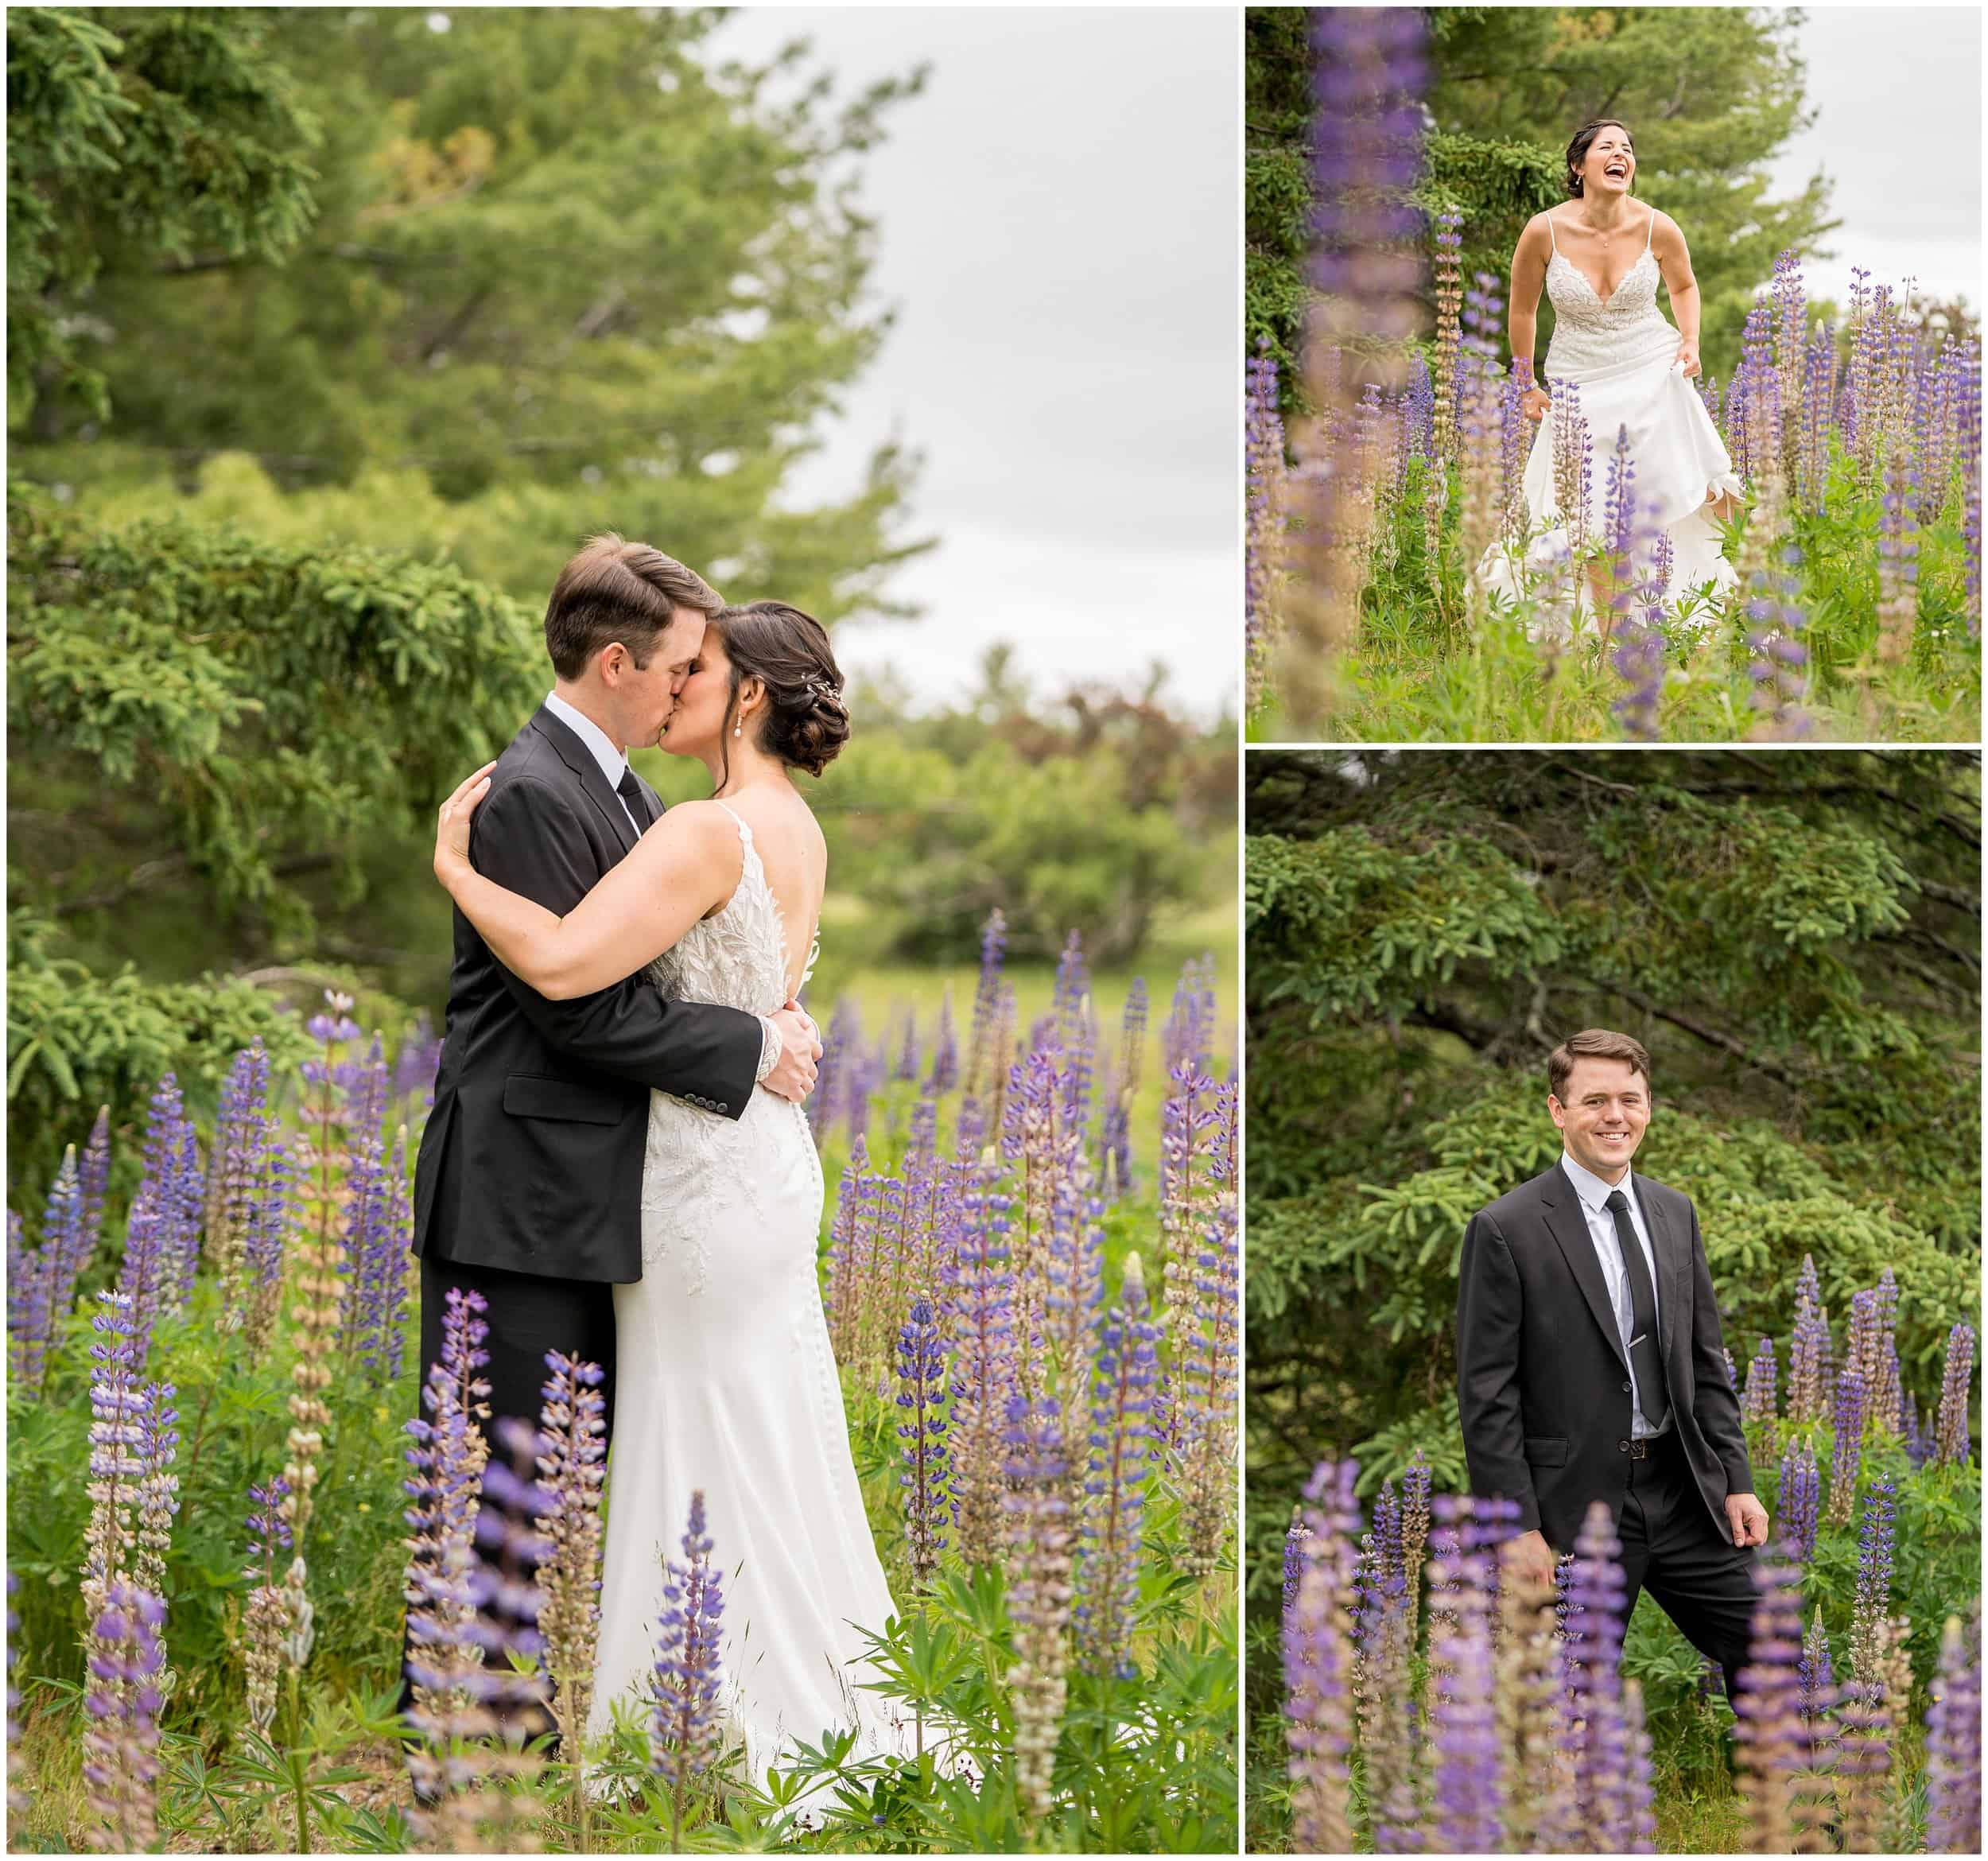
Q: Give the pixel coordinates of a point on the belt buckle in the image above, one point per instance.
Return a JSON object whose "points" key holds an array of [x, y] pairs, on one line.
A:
{"points": [[1635, 1449]]}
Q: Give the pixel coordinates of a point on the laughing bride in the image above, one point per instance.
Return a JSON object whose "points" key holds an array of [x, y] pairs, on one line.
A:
{"points": [[1599, 258]]}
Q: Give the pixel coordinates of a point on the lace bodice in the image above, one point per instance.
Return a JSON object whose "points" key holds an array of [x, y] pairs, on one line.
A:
{"points": [[701, 1168], [1589, 332], [737, 957]]}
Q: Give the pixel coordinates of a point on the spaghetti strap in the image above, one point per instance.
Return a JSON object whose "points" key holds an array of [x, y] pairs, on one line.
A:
{"points": [[745, 833], [1551, 234], [1651, 233]]}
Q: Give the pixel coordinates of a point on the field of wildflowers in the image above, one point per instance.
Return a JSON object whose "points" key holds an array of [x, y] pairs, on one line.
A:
{"points": [[1434, 1699], [219, 1508], [1857, 611]]}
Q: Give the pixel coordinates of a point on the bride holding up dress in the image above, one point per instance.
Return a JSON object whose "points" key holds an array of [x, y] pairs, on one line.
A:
{"points": [[726, 1381], [1599, 258]]}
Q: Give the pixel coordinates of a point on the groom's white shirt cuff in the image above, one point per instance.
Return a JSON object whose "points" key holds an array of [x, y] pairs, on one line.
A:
{"points": [[614, 764], [769, 1048]]}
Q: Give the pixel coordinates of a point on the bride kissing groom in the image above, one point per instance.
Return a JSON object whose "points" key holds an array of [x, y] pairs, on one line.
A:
{"points": [[618, 1161]]}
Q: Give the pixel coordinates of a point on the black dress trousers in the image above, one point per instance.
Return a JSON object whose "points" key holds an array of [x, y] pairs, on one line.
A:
{"points": [[1703, 1581]]}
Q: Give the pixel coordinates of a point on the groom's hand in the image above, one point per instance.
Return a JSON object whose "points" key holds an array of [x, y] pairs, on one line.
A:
{"points": [[1748, 1519], [792, 1074]]}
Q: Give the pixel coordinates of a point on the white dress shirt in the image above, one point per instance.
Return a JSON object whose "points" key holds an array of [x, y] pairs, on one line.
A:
{"points": [[1594, 1193], [614, 765]]}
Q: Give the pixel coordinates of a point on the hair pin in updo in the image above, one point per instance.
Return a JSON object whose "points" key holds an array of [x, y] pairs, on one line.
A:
{"points": [[820, 689]]}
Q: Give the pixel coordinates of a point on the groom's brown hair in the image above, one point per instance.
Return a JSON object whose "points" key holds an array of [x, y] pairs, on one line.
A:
{"points": [[1595, 1043], [615, 590]]}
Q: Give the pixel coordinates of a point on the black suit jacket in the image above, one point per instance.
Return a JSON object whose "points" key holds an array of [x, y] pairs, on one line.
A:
{"points": [[1543, 1383], [532, 1159]]}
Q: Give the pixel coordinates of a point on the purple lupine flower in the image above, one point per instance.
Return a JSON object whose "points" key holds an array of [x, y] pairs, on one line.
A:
{"points": [[501, 1583], [686, 1729], [1596, 1594], [265, 1614], [1186, 1037], [1076, 1030], [1417, 1480], [117, 1437], [1801, 1502], [1318, 1657], [1037, 1534], [1297, 1534], [1816, 1678], [1774, 1741], [572, 1468], [158, 1277], [1807, 1374], [1468, 1801], [190, 1180], [1780, 682], [945, 1051], [981, 1313], [862, 1072], [95, 1174], [980, 1064], [240, 1163], [415, 1065], [1203, 1413], [851, 1250], [1124, 1445], [1758, 1407], [841, 1047], [1871, 1614], [67, 1240], [1863, 1765], [448, 1455], [921, 1370], [1369, 70], [1953, 1742], [1264, 460], [1864, 1354], [31, 1317], [907, 1055], [270, 1220], [1852, 1409], [1920, 1441], [1887, 1381], [158, 1487], [1116, 1171], [120, 1747], [1954, 1444]]}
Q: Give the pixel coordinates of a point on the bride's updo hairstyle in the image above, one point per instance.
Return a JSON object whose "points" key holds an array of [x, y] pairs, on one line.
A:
{"points": [[804, 722], [1577, 151]]}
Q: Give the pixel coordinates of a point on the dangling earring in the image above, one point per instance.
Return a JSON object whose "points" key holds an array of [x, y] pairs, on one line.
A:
{"points": [[738, 729]]}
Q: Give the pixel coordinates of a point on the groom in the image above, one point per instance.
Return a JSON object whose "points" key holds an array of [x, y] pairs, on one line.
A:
{"points": [[529, 1186], [1590, 1363]]}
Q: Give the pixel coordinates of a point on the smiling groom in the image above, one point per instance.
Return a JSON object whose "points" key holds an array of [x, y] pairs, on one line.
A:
{"points": [[1591, 1364]]}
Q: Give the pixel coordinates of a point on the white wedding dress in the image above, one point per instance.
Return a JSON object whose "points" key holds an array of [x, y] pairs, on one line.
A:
{"points": [[725, 1383], [1621, 353]]}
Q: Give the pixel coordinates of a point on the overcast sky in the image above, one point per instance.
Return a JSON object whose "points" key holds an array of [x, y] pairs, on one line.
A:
{"points": [[1896, 93], [1059, 230]]}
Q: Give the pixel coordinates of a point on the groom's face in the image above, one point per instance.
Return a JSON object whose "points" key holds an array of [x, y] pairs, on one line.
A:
{"points": [[1603, 1114], [647, 695]]}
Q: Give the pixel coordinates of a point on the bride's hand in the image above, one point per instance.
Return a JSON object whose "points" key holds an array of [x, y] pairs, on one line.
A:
{"points": [[1687, 358], [1534, 404], [452, 824]]}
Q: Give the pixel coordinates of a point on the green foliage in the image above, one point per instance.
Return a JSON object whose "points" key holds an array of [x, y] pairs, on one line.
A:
{"points": [[135, 136], [561, 272], [188, 702], [76, 1040]]}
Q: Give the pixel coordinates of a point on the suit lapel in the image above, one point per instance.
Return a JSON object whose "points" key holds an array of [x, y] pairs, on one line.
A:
{"points": [[580, 759], [1567, 1223], [1671, 1266]]}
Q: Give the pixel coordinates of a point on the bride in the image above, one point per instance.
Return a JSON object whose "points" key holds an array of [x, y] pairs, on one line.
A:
{"points": [[1599, 258], [726, 1384]]}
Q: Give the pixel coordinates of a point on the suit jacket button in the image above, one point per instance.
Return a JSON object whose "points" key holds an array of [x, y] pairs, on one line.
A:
{"points": [[1622, 1446], [723, 1106], [1627, 1390]]}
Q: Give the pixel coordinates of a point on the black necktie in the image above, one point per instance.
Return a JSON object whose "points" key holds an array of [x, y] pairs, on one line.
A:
{"points": [[1644, 1358], [630, 790]]}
